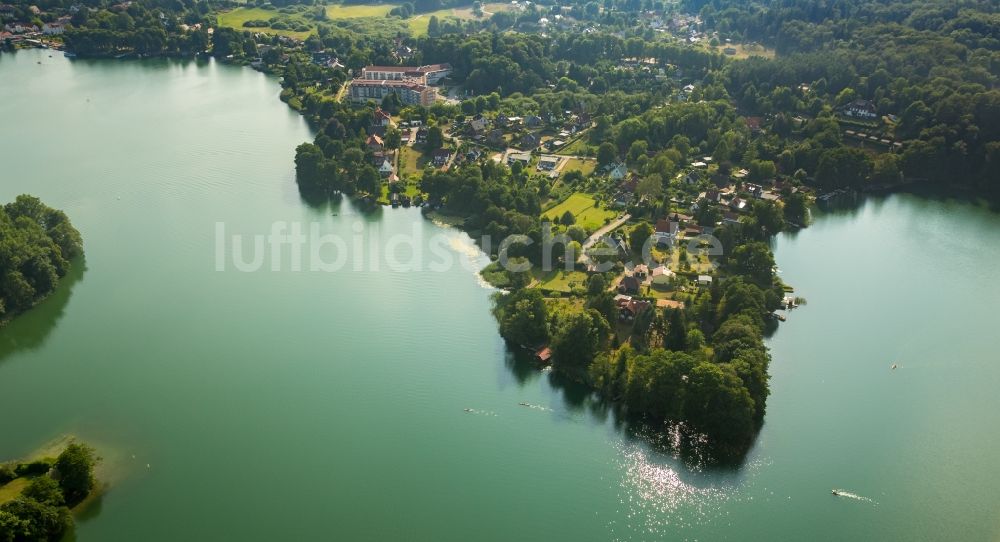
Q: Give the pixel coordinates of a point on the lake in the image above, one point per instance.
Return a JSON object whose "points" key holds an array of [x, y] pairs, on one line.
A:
{"points": [[303, 404]]}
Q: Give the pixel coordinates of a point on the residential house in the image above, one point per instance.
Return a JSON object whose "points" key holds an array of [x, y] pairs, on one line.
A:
{"points": [[530, 141], [495, 137], [422, 135], [375, 143], [533, 121], [665, 232], [479, 124], [862, 109], [381, 118], [523, 157], [662, 271], [704, 280], [441, 157], [544, 355], [548, 163], [754, 124], [20, 28], [385, 167], [618, 171], [53, 29], [629, 307], [629, 284]]}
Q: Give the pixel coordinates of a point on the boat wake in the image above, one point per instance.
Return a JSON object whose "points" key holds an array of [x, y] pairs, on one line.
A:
{"points": [[536, 407], [480, 412], [849, 495]]}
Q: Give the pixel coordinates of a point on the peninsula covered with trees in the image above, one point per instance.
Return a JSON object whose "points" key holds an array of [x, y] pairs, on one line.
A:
{"points": [[37, 247], [36, 495], [668, 142]]}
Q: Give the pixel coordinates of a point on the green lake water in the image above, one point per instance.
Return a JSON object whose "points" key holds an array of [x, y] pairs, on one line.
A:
{"points": [[293, 405]]}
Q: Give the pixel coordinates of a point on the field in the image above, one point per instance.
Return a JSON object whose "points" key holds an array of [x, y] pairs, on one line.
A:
{"points": [[411, 162], [357, 14], [583, 207], [583, 166], [338, 11], [13, 489], [419, 22], [578, 147], [746, 51], [235, 19], [559, 280]]}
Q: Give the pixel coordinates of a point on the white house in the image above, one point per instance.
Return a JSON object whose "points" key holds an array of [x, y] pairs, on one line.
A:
{"points": [[385, 168], [666, 231], [618, 171]]}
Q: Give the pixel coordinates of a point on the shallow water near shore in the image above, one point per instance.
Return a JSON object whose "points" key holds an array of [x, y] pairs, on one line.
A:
{"points": [[303, 405]]}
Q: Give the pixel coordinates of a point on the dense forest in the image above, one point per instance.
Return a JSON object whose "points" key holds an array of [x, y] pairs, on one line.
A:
{"points": [[934, 64], [37, 247]]}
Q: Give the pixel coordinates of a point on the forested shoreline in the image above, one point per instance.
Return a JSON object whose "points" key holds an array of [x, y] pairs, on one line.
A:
{"points": [[682, 117], [38, 245]]}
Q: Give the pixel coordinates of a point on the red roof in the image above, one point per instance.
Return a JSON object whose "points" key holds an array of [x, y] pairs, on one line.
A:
{"points": [[665, 226], [544, 354]]}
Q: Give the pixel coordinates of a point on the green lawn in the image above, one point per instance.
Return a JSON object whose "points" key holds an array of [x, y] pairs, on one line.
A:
{"points": [[235, 19], [418, 23], [583, 166], [374, 13], [559, 280], [411, 162], [584, 208], [338, 11], [578, 147], [13, 489]]}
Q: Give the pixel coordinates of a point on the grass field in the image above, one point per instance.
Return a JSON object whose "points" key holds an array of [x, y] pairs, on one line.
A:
{"points": [[416, 24], [560, 280], [583, 207], [411, 162], [746, 51], [583, 166], [338, 11], [235, 19], [579, 147], [13, 489]]}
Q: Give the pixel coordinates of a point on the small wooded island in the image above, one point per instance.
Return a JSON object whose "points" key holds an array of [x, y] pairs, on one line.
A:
{"points": [[37, 247], [37, 495]]}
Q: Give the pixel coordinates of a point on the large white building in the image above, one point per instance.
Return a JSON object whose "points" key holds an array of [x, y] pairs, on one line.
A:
{"points": [[431, 74], [410, 91], [413, 85]]}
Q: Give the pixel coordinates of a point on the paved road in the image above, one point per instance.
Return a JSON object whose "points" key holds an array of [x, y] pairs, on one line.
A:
{"points": [[593, 239]]}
